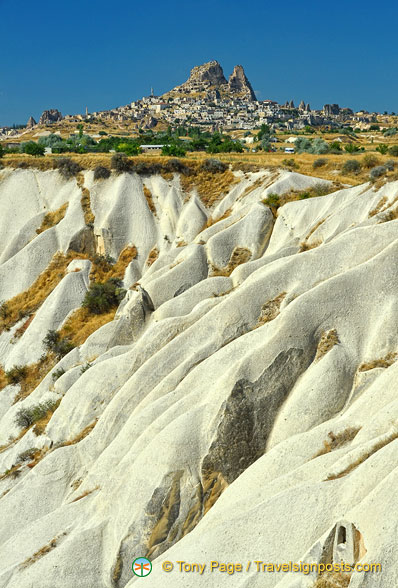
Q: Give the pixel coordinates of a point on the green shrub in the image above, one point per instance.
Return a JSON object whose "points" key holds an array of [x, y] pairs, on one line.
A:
{"points": [[302, 145], [377, 172], [26, 417], [174, 150], [57, 374], [272, 199], [320, 189], [147, 169], [54, 343], [352, 148], [67, 167], [28, 454], [319, 162], [319, 146], [393, 150], [102, 297], [32, 148], [213, 165], [351, 166], [390, 165], [382, 148], [16, 374], [370, 160], [335, 147], [290, 163], [101, 173], [85, 367], [1, 151], [390, 132]]}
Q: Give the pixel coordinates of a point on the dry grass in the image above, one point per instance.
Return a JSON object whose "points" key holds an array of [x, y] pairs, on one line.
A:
{"points": [[3, 379], [152, 257], [103, 271], [305, 246], [86, 431], [117, 570], [35, 373], [53, 218], [40, 426], [383, 362], [314, 228], [42, 551], [212, 221], [13, 472], [333, 580], [362, 458], [238, 256], [149, 199], [82, 323], [210, 186], [270, 310], [86, 206], [28, 302], [86, 493], [327, 341], [379, 207], [336, 441], [389, 215], [21, 330]]}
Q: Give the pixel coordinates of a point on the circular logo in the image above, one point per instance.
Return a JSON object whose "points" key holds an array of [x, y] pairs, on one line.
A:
{"points": [[142, 567]]}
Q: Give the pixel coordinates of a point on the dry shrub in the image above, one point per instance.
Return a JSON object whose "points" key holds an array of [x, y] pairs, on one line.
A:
{"points": [[327, 341], [103, 270], [52, 218], [239, 255], [149, 199], [270, 310], [383, 362], [152, 257], [336, 441]]}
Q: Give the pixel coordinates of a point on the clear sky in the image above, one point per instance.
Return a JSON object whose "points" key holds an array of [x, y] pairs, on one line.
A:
{"points": [[77, 53]]}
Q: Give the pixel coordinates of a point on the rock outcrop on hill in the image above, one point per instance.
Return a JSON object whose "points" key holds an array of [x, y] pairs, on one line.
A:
{"points": [[240, 85], [50, 116], [248, 413], [31, 122], [208, 79]]}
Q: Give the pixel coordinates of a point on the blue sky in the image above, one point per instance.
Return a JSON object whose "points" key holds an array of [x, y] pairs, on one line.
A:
{"points": [[69, 54]]}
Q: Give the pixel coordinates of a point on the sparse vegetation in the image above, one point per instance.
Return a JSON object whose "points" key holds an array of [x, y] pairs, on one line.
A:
{"points": [[52, 218], [68, 168], [270, 310], [238, 256], [327, 341], [56, 344], [28, 416], [213, 166], [320, 162], [333, 580], [57, 374], [16, 374], [102, 297], [101, 173], [369, 160], [383, 362], [339, 440], [351, 166], [121, 163]]}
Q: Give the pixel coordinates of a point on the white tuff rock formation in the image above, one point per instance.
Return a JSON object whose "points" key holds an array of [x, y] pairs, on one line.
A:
{"points": [[253, 415]]}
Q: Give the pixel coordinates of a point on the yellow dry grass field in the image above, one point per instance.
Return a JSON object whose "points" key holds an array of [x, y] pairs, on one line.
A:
{"points": [[52, 218]]}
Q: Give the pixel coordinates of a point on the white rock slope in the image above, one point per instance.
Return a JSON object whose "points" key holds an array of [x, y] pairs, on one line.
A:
{"points": [[247, 418]]}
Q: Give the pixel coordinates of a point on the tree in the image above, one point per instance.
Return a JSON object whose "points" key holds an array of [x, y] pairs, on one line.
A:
{"points": [[173, 149], [1, 151], [80, 129], [32, 148]]}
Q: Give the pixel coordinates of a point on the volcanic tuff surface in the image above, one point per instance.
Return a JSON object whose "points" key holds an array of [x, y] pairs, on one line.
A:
{"points": [[245, 418]]}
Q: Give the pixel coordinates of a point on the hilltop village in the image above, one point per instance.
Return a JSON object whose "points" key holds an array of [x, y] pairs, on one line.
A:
{"points": [[209, 101]]}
